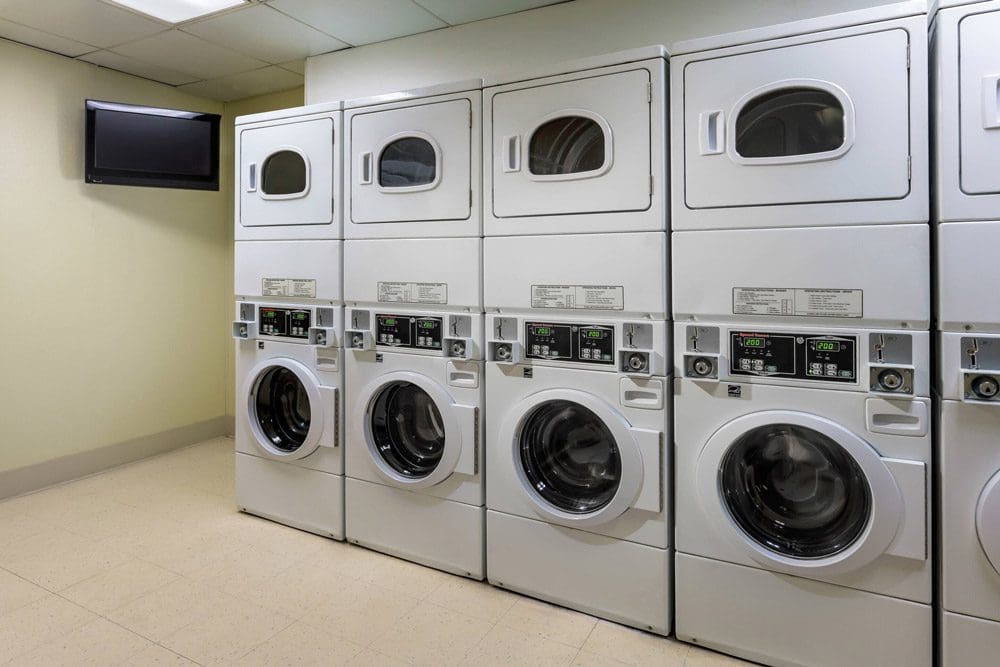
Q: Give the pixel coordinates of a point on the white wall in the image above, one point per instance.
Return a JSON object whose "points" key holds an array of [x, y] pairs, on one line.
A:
{"points": [[559, 32]]}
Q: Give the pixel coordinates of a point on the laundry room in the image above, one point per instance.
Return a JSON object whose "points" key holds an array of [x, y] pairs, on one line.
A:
{"points": [[500, 332]]}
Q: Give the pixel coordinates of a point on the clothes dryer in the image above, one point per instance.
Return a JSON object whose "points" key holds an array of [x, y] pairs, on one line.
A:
{"points": [[415, 400], [288, 180], [965, 75], [970, 499], [578, 147], [289, 451], [578, 455], [815, 122], [803, 465], [413, 163]]}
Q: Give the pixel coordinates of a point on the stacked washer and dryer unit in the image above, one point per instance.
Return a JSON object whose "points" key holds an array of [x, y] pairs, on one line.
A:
{"points": [[414, 320], [801, 302], [966, 78], [289, 318], [577, 373]]}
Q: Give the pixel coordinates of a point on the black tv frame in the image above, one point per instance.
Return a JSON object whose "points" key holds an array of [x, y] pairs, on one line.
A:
{"points": [[103, 176]]}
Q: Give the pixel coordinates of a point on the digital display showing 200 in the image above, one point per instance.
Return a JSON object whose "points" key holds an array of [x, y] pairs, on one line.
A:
{"points": [[827, 346], [753, 342]]}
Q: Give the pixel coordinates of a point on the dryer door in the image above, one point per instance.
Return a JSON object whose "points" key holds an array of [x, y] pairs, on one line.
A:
{"points": [[412, 164], [988, 521], [575, 147], [417, 434], [820, 122], [287, 174], [804, 495], [979, 73], [286, 408], [579, 460]]}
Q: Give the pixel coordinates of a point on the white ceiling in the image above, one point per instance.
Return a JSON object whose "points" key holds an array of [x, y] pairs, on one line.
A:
{"points": [[256, 48]]}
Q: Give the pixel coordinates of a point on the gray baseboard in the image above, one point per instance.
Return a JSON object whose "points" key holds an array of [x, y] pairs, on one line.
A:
{"points": [[74, 466]]}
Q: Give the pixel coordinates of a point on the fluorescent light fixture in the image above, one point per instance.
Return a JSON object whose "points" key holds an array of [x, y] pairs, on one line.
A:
{"points": [[178, 11]]}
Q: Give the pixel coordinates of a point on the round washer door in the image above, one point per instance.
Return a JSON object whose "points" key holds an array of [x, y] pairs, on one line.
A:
{"points": [[575, 456], [284, 408], [800, 493], [413, 429], [988, 521]]}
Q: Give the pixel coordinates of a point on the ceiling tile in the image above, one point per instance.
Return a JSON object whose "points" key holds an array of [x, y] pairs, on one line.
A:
{"points": [[265, 33], [465, 11], [43, 40], [189, 54], [247, 84], [87, 21], [121, 63], [361, 21], [297, 66]]}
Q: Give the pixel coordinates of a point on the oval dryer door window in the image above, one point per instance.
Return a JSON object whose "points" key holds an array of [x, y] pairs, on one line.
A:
{"points": [[788, 122], [406, 163], [284, 174], [567, 145]]}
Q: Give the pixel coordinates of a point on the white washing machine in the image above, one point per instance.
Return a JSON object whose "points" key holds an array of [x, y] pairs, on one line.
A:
{"points": [[578, 456], [803, 459], [577, 147], [413, 162], [965, 76], [415, 395], [815, 122], [289, 432], [970, 500], [288, 181]]}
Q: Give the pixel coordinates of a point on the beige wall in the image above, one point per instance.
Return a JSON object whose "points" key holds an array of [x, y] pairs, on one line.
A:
{"points": [[116, 301], [550, 34]]}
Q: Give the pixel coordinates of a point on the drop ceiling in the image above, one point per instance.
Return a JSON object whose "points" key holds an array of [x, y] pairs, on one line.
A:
{"points": [[257, 47]]}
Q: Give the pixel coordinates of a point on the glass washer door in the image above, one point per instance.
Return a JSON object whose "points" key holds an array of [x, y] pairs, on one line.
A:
{"points": [[570, 457], [795, 491], [988, 521], [407, 429], [284, 408]]}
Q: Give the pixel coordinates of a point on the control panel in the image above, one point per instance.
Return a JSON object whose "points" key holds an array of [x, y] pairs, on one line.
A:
{"points": [[794, 356], [593, 344], [422, 333], [285, 322]]}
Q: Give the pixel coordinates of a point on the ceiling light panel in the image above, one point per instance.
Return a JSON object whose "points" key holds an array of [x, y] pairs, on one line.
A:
{"points": [[178, 11]]}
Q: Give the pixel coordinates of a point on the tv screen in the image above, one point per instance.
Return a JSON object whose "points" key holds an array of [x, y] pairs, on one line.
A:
{"points": [[162, 148]]}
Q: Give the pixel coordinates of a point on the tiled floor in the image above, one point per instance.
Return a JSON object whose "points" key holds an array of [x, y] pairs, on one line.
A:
{"points": [[149, 564]]}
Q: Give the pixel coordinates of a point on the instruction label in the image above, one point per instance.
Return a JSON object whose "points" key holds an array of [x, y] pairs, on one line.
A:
{"points": [[569, 297], [798, 302], [395, 292], [293, 287]]}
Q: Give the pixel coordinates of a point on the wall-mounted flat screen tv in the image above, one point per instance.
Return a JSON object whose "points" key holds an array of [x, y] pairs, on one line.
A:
{"points": [[146, 146]]}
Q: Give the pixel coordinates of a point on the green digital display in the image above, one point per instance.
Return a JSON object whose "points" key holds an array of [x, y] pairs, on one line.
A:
{"points": [[426, 324], [593, 333], [543, 331], [389, 321], [828, 346], [269, 314], [299, 316], [753, 342]]}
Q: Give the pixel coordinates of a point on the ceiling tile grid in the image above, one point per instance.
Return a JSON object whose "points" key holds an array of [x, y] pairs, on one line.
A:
{"points": [[256, 47]]}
